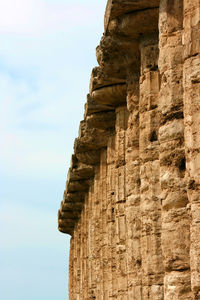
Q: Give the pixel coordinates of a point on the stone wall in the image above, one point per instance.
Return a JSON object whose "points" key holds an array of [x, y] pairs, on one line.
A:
{"points": [[132, 202]]}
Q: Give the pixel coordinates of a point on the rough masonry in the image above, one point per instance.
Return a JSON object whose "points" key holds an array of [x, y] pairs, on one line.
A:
{"points": [[132, 201]]}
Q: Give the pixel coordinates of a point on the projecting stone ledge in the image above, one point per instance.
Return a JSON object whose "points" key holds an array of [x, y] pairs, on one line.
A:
{"points": [[116, 8], [94, 131], [118, 56], [132, 199]]}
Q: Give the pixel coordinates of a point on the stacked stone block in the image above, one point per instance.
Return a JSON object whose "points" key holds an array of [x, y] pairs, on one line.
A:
{"points": [[131, 202]]}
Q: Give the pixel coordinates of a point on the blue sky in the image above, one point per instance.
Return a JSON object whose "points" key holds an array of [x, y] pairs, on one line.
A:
{"points": [[47, 51]]}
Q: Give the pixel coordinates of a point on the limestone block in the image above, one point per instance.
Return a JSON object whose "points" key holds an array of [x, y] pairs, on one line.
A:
{"points": [[192, 119], [117, 56], [172, 130], [175, 239], [92, 107], [122, 115], [175, 199], [191, 35], [171, 94], [178, 286], [153, 292], [195, 248], [132, 133], [91, 157], [133, 93], [101, 120], [149, 88], [111, 150], [99, 78], [77, 185], [148, 140], [82, 171], [170, 22], [149, 55], [113, 95], [131, 202], [132, 177], [126, 24], [93, 139], [118, 7]]}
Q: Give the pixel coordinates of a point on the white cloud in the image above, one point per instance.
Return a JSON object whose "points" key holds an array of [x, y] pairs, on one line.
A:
{"points": [[47, 51], [34, 128], [39, 16], [25, 226]]}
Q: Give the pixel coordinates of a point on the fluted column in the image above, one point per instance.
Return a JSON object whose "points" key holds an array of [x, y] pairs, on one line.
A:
{"points": [[120, 201], [133, 223], [191, 84], [175, 218], [111, 227], [150, 206]]}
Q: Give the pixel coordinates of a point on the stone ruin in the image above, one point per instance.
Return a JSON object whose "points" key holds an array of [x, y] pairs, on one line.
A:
{"points": [[132, 201]]}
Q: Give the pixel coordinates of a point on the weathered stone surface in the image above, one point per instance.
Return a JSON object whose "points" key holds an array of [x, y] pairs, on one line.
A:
{"points": [[99, 79], [132, 199], [117, 56], [116, 8], [114, 95], [127, 24], [92, 107], [102, 120]]}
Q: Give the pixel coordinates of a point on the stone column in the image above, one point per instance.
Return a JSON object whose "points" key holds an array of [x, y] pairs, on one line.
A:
{"points": [[133, 223], [175, 219], [86, 250], [120, 198], [111, 227], [150, 206], [97, 236], [71, 270], [191, 84], [105, 284], [91, 234], [82, 252], [77, 262]]}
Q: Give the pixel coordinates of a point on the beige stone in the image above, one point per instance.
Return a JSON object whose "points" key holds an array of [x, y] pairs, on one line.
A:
{"points": [[132, 197]]}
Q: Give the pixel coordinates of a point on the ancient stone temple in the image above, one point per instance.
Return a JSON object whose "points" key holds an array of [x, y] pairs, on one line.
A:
{"points": [[132, 198]]}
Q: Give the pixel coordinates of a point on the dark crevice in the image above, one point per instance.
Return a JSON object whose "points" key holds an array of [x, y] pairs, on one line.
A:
{"points": [[171, 116], [183, 269], [139, 10], [182, 165], [153, 136], [190, 56], [109, 85], [154, 68], [195, 81]]}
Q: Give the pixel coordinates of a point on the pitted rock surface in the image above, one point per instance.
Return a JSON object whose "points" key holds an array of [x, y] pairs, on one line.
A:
{"points": [[132, 197]]}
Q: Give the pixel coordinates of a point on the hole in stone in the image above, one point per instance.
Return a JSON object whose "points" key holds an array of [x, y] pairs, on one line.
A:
{"points": [[182, 165], [139, 182], [191, 185], [149, 66], [139, 262], [154, 68], [153, 136], [164, 78], [113, 210]]}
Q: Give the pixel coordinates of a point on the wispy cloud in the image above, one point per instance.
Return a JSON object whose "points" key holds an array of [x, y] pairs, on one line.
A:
{"points": [[47, 51], [39, 17], [43, 83], [32, 254]]}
